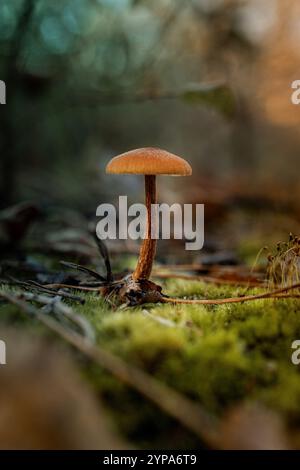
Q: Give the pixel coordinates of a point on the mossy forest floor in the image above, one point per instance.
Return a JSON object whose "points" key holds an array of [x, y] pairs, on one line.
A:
{"points": [[226, 358], [219, 356]]}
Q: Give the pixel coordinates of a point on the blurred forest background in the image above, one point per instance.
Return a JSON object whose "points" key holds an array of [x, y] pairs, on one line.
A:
{"points": [[209, 80], [88, 79]]}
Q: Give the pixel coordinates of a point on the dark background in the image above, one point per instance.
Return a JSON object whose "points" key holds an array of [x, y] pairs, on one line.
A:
{"points": [[207, 80]]}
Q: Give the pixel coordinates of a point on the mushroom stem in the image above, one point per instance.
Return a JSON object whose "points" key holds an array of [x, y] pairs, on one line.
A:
{"points": [[148, 248]]}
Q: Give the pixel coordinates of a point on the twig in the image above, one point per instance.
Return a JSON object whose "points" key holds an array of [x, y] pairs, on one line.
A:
{"points": [[279, 293], [105, 255], [55, 305], [83, 269], [33, 285], [68, 286], [231, 300]]}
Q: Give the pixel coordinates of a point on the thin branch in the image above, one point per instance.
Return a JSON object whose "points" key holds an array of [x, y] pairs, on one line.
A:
{"points": [[231, 300], [83, 269], [275, 294], [33, 285], [56, 306], [68, 286], [105, 255]]}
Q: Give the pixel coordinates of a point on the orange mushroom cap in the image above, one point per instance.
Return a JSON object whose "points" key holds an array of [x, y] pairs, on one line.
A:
{"points": [[149, 161]]}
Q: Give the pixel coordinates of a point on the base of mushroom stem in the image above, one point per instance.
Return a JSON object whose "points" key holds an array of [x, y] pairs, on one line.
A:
{"points": [[134, 291]]}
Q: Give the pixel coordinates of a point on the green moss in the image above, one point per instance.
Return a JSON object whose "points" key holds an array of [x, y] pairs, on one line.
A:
{"points": [[216, 355]]}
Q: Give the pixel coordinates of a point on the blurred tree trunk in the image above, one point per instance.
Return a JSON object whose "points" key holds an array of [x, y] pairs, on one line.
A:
{"points": [[8, 116]]}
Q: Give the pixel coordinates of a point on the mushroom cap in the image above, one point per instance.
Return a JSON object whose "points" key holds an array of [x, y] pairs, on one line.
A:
{"points": [[149, 161]]}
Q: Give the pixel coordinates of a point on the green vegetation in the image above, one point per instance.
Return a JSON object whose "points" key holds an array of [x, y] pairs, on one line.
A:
{"points": [[217, 355]]}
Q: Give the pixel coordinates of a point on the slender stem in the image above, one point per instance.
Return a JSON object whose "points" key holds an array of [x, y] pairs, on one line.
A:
{"points": [[148, 248]]}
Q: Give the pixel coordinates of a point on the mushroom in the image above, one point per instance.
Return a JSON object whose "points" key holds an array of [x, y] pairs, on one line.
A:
{"points": [[149, 162]]}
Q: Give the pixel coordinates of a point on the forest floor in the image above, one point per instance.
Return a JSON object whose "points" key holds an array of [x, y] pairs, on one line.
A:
{"points": [[233, 361]]}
